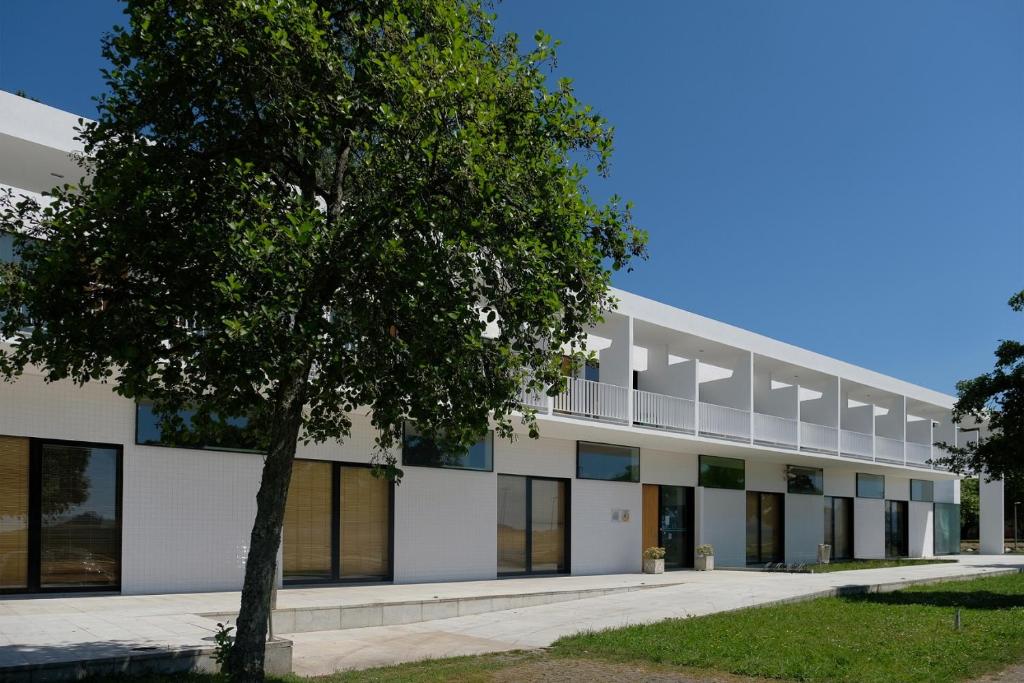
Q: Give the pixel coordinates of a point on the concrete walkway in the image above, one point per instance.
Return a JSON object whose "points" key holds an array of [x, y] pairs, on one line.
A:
{"points": [[40, 630], [703, 593]]}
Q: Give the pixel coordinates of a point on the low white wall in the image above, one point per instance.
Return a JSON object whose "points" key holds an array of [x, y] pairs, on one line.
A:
{"points": [[868, 528], [920, 529], [721, 521], [805, 527]]}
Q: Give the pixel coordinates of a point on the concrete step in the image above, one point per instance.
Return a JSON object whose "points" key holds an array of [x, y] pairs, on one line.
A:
{"points": [[389, 613]]}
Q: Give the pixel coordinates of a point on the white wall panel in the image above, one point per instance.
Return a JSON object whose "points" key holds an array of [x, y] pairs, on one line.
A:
{"points": [[805, 527], [601, 544], [868, 528], [721, 521], [670, 469], [920, 531]]}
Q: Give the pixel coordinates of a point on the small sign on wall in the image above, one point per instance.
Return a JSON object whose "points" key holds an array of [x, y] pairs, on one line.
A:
{"points": [[620, 515]]}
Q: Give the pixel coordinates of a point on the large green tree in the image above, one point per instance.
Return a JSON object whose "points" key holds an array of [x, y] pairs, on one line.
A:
{"points": [[996, 400], [292, 210]]}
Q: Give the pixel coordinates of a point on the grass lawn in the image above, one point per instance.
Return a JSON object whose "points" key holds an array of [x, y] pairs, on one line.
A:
{"points": [[846, 565], [903, 636]]}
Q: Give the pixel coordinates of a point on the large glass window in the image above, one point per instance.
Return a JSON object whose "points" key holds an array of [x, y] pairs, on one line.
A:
{"points": [[80, 522], [231, 434], [764, 527], [420, 451], [947, 529], [839, 526], [532, 525], [607, 462], [870, 486], [808, 480], [722, 473], [922, 489], [337, 523]]}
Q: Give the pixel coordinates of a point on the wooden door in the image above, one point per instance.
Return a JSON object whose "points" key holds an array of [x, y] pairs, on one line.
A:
{"points": [[649, 519]]}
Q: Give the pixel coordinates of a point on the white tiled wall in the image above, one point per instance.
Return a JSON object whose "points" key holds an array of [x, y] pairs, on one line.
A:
{"points": [[602, 544]]}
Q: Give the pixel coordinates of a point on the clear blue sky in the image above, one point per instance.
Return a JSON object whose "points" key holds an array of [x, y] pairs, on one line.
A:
{"points": [[845, 176]]}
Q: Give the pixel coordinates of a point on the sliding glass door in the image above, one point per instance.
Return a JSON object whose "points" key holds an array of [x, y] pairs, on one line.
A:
{"points": [[764, 527], [60, 516], [896, 530], [839, 526], [532, 525], [337, 524]]}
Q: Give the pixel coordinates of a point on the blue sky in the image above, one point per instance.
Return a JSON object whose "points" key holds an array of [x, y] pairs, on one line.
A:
{"points": [[844, 176]]}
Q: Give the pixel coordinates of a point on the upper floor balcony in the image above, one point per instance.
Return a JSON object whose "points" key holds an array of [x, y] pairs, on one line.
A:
{"points": [[652, 376]]}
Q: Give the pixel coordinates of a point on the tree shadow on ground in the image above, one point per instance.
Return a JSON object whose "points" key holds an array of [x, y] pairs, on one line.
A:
{"points": [[941, 598]]}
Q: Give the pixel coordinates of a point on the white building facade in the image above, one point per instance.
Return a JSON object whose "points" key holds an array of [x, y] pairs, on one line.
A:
{"points": [[686, 431]]}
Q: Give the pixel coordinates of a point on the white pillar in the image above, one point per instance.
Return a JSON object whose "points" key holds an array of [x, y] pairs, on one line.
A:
{"points": [[990, 517]]}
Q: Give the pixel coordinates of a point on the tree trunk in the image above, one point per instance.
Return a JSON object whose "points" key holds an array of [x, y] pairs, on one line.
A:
{"points": [[248, 652]]}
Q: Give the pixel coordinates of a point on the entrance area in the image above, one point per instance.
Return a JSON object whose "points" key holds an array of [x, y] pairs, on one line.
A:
{"points": [[668, 523], [532, 525], [839, 526], [60, 516], [337, 524], [765, 527], [896, 530]]}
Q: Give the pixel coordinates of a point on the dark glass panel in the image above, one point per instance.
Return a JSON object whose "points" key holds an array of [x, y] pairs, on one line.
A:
{"points": [[842, 515], [922, 489], [607, 462], [722, 473], [675, 513], [230, 434], [947, 529], [870, 486], [80, 531], [771, 527], [511, 524], [753, 527], [808, 480], [830, 523], [420, 451], [896, 528]]}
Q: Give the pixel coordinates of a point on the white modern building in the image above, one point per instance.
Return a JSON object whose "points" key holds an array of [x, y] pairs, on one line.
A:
{"points": [[687, 431]]}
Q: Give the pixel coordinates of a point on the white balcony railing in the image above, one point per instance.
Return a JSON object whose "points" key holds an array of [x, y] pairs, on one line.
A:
{"points": [[665, 412], [815, 437], [918, 453], [533, 399], [857, 444], [725, 422], [888, 449], [595, 400], [770, 429]]}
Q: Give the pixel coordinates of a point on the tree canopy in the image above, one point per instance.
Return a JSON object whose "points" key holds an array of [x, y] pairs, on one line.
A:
{"points": [[294, 210], [995, 399]]}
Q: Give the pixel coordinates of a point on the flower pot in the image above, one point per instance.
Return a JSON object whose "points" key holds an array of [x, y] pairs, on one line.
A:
{"points": [[824, 553], [654, 566], [705, 563]]}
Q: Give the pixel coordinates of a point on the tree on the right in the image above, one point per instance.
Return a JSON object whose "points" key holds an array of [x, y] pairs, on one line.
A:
{"points": [[995, 399]]}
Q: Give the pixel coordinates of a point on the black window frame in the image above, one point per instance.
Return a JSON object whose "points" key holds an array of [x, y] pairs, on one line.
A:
{"points": [[873, 477], [701, 476], [336, 578], [830, 535], [579, 471], [488, 439], [818, 490], [198, 447], [35, 498], [528, 506], [930, 486]]}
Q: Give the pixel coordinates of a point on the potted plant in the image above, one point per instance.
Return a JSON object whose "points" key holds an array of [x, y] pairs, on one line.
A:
{"points": [[654, 560], [705, 557]]}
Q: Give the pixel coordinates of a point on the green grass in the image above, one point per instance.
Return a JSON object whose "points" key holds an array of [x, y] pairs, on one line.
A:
{"points": [[902, 636], [847, 565]]}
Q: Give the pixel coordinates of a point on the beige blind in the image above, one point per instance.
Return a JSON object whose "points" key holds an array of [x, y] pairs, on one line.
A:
{"points": [[307, 521], [365, 521], [13, 512]]}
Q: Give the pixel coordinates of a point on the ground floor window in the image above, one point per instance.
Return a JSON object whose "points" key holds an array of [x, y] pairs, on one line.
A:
{"points": [[947, 529], [60, 515], [765, 525], [896, 530], [839, 526], [533, 526], [668, 523], [337, 524]]}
